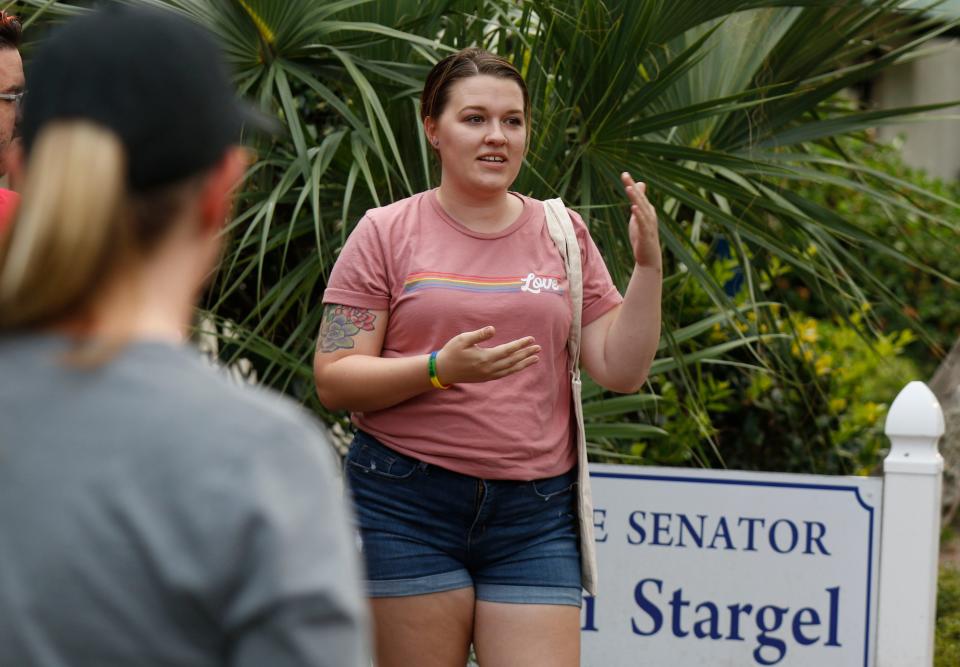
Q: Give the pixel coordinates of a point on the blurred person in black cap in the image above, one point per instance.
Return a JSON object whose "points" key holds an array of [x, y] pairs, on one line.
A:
{"points": [[151, 512]]}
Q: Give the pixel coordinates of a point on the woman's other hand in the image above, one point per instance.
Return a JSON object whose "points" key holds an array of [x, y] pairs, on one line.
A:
{"points": [[463, 360], [644, 235]]}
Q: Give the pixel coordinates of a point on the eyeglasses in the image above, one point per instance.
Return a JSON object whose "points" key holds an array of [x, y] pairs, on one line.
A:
{"points": [[12, 97]]}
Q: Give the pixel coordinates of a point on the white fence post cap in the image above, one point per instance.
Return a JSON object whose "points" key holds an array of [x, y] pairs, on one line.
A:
{"points": [[915, 412]]}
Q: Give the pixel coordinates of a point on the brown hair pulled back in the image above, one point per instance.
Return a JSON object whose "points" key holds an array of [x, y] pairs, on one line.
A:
{"points": [[461, 65]]}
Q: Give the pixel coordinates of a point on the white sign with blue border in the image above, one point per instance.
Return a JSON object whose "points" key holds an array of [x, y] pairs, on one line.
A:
{"points": [[733, 569]]}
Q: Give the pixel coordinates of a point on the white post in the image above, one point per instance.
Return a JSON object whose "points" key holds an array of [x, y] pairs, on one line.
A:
{"points": [[910, 536]]}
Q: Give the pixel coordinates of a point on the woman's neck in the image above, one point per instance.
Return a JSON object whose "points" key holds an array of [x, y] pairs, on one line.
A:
{"points": [[152, 299], [131, 310], [486, 212]]}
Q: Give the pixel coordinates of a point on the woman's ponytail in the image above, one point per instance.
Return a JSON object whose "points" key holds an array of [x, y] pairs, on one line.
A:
{"points": [[68, 235]]}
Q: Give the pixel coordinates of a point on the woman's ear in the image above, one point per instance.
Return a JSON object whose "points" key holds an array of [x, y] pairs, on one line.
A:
{"points": [[430, 130], [216, 198]]}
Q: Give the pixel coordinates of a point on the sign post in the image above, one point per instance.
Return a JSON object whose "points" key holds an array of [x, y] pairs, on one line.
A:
{"points": [[911, 529]]}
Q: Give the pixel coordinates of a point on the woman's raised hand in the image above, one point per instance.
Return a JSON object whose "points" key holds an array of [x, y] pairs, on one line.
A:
{"points": [[644, 235], [463, 360]]}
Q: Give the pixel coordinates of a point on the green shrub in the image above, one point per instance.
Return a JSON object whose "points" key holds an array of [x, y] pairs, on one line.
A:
{"points": [[947, 645], [826, 416], [930, 300]]}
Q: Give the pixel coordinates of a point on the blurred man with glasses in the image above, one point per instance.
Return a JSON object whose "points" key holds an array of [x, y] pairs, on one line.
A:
{"points": [[11, 91], [11, 80]]}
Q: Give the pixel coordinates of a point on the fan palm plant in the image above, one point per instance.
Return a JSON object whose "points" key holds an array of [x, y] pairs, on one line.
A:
{"points": [[716, 105]]}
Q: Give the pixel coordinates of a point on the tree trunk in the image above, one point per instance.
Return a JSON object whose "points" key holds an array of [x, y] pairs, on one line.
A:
{"points": [[945, 384], [947, 378]]}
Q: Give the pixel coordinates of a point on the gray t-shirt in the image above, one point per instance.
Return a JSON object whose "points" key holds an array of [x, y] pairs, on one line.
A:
{"points": [[153, 513]]}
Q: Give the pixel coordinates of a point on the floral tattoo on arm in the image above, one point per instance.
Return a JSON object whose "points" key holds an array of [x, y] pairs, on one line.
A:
{"points": [[341, 324]]}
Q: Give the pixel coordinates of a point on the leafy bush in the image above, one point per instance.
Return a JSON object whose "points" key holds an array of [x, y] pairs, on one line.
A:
{"points": [[826, 415], [927, 298], [947, 646], [846, 382], [790, 392]]}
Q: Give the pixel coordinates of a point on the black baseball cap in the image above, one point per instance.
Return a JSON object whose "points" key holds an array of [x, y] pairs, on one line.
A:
{"points": [[153, 77]]}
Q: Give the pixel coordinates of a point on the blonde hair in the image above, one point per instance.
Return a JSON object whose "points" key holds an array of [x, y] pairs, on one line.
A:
{"points": [[67, 226], [76, 226]]}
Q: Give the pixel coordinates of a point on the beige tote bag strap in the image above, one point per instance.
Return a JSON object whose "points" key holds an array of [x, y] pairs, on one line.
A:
{"points": [[561, 230], [564, 237]]}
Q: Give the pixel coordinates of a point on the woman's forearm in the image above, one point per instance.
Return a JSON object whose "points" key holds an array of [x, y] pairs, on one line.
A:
{"points": [[631, 341], [361, 383], [619, 357]]}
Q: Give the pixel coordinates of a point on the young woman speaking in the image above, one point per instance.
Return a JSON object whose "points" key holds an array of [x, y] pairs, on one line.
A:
{"points": [[446, 334]]}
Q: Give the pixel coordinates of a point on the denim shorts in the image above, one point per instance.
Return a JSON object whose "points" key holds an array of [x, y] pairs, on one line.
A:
{"points": [[425, 529]]}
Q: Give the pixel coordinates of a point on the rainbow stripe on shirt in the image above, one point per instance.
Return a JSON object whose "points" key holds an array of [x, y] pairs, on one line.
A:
{"points": [[532, 283]]}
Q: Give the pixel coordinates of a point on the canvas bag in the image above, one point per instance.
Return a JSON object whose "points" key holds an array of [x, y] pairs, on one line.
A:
{"points": [[560, 227]]}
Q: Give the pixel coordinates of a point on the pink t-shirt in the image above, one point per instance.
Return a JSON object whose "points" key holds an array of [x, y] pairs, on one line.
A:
{"points": [[9, 201], [437, 279]]}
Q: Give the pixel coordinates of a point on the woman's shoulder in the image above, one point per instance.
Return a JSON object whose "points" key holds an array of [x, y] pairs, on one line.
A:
{"points": [[398, 211], [579, 224]]}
